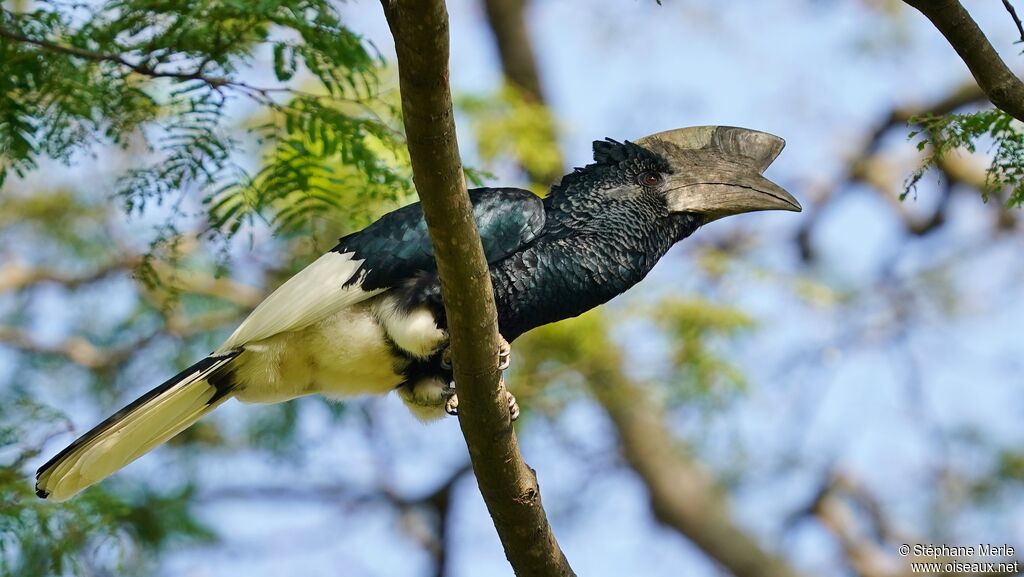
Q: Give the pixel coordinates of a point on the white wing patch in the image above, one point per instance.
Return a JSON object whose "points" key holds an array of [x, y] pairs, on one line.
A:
{"points": [[313, 294]]}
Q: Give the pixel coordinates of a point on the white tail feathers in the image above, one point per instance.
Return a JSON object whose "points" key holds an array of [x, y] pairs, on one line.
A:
{"points": [[134, 430]]}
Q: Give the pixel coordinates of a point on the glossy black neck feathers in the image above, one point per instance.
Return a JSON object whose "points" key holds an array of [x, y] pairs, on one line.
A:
{"points": [[603, 232], [589, 252]]}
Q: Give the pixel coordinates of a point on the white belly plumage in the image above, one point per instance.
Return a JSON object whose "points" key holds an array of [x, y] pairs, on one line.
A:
{"points": [[346, 354], [320, 332]]}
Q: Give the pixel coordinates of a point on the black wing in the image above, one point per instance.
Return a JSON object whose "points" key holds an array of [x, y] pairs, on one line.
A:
{"points": [[397, 247]]}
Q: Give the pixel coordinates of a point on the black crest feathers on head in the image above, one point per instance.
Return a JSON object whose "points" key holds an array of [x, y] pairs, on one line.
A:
{"points": [[613, 153], [609, 151], [614, 163]]}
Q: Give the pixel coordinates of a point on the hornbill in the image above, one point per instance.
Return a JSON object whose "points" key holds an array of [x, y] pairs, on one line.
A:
{"points": [[367, 317]]}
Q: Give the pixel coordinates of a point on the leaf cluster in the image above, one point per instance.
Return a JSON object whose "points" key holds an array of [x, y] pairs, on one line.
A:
{"points": [[321, 161], [693, 327], [164, 77], [507, 124], [101, 532], [942, 134]]}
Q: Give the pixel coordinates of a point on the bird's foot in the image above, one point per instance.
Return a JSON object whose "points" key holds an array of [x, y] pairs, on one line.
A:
{"points": [[513, 406], [504, 355], [451, 406]]}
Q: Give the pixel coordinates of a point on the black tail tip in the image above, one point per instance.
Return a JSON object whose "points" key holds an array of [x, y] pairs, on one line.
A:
{"points": [[42, 493]]}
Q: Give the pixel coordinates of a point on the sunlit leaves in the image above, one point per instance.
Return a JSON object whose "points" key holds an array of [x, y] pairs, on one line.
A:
{"points": [[322, 162], [120, 530], [694, 327], [946, 133], [162, 74], [176, 84], [507, 124]]}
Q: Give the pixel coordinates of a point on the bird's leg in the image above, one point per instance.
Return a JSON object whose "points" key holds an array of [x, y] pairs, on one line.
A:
{"points": [[451, 406]]}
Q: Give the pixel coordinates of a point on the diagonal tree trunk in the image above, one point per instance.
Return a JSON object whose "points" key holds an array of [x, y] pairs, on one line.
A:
{"points": [[508, 485]]}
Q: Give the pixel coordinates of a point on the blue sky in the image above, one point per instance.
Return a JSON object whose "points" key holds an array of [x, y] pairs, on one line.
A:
{"points": [[830, 385], [820, 74]]}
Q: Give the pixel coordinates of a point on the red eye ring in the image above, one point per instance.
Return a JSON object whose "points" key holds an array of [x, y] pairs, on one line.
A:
{"points": [[650, 178]]}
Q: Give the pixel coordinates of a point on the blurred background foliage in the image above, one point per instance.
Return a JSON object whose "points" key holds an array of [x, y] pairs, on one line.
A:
{"points": [[166, 163]]}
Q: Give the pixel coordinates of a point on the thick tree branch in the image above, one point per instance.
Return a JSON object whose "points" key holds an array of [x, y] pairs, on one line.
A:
{"points": [[508, 485], [1004, 89], [508, 23], [857, 522], [682, 494], [507, 20]]}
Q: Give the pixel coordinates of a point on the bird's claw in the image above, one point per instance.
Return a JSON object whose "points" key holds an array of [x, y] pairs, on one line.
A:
{"points": [[451, 405], [504, 355], [513, 406]]}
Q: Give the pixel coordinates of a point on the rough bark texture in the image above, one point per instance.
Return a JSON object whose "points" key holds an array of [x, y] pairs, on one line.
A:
{"points": [[682, 494], [1004, 89], [508, 485]]}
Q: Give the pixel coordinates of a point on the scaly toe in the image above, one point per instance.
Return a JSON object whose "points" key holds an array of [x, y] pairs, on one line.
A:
{"points": [[513, 406], [504, 354], [451, 406]]}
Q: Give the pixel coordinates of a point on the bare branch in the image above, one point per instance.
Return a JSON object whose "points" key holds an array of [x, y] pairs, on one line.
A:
{"points": [[867, 164], [508, 23], [856, 520], [17, 276], [76, 349], [81, 351], [508, 485], [1004, 89]]}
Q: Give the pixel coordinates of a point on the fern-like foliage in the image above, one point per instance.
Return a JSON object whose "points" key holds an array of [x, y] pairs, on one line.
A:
{"points": [[320, 160], [163, 73], [942, 134], [89, 536]]}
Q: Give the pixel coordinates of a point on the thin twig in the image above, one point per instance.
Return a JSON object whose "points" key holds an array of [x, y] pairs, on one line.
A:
{"points": [[1016, 19], [260, 94], [145, 70]]}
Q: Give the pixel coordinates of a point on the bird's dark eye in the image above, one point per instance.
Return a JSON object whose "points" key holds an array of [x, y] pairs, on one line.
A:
{"points": [[650, 178]]}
